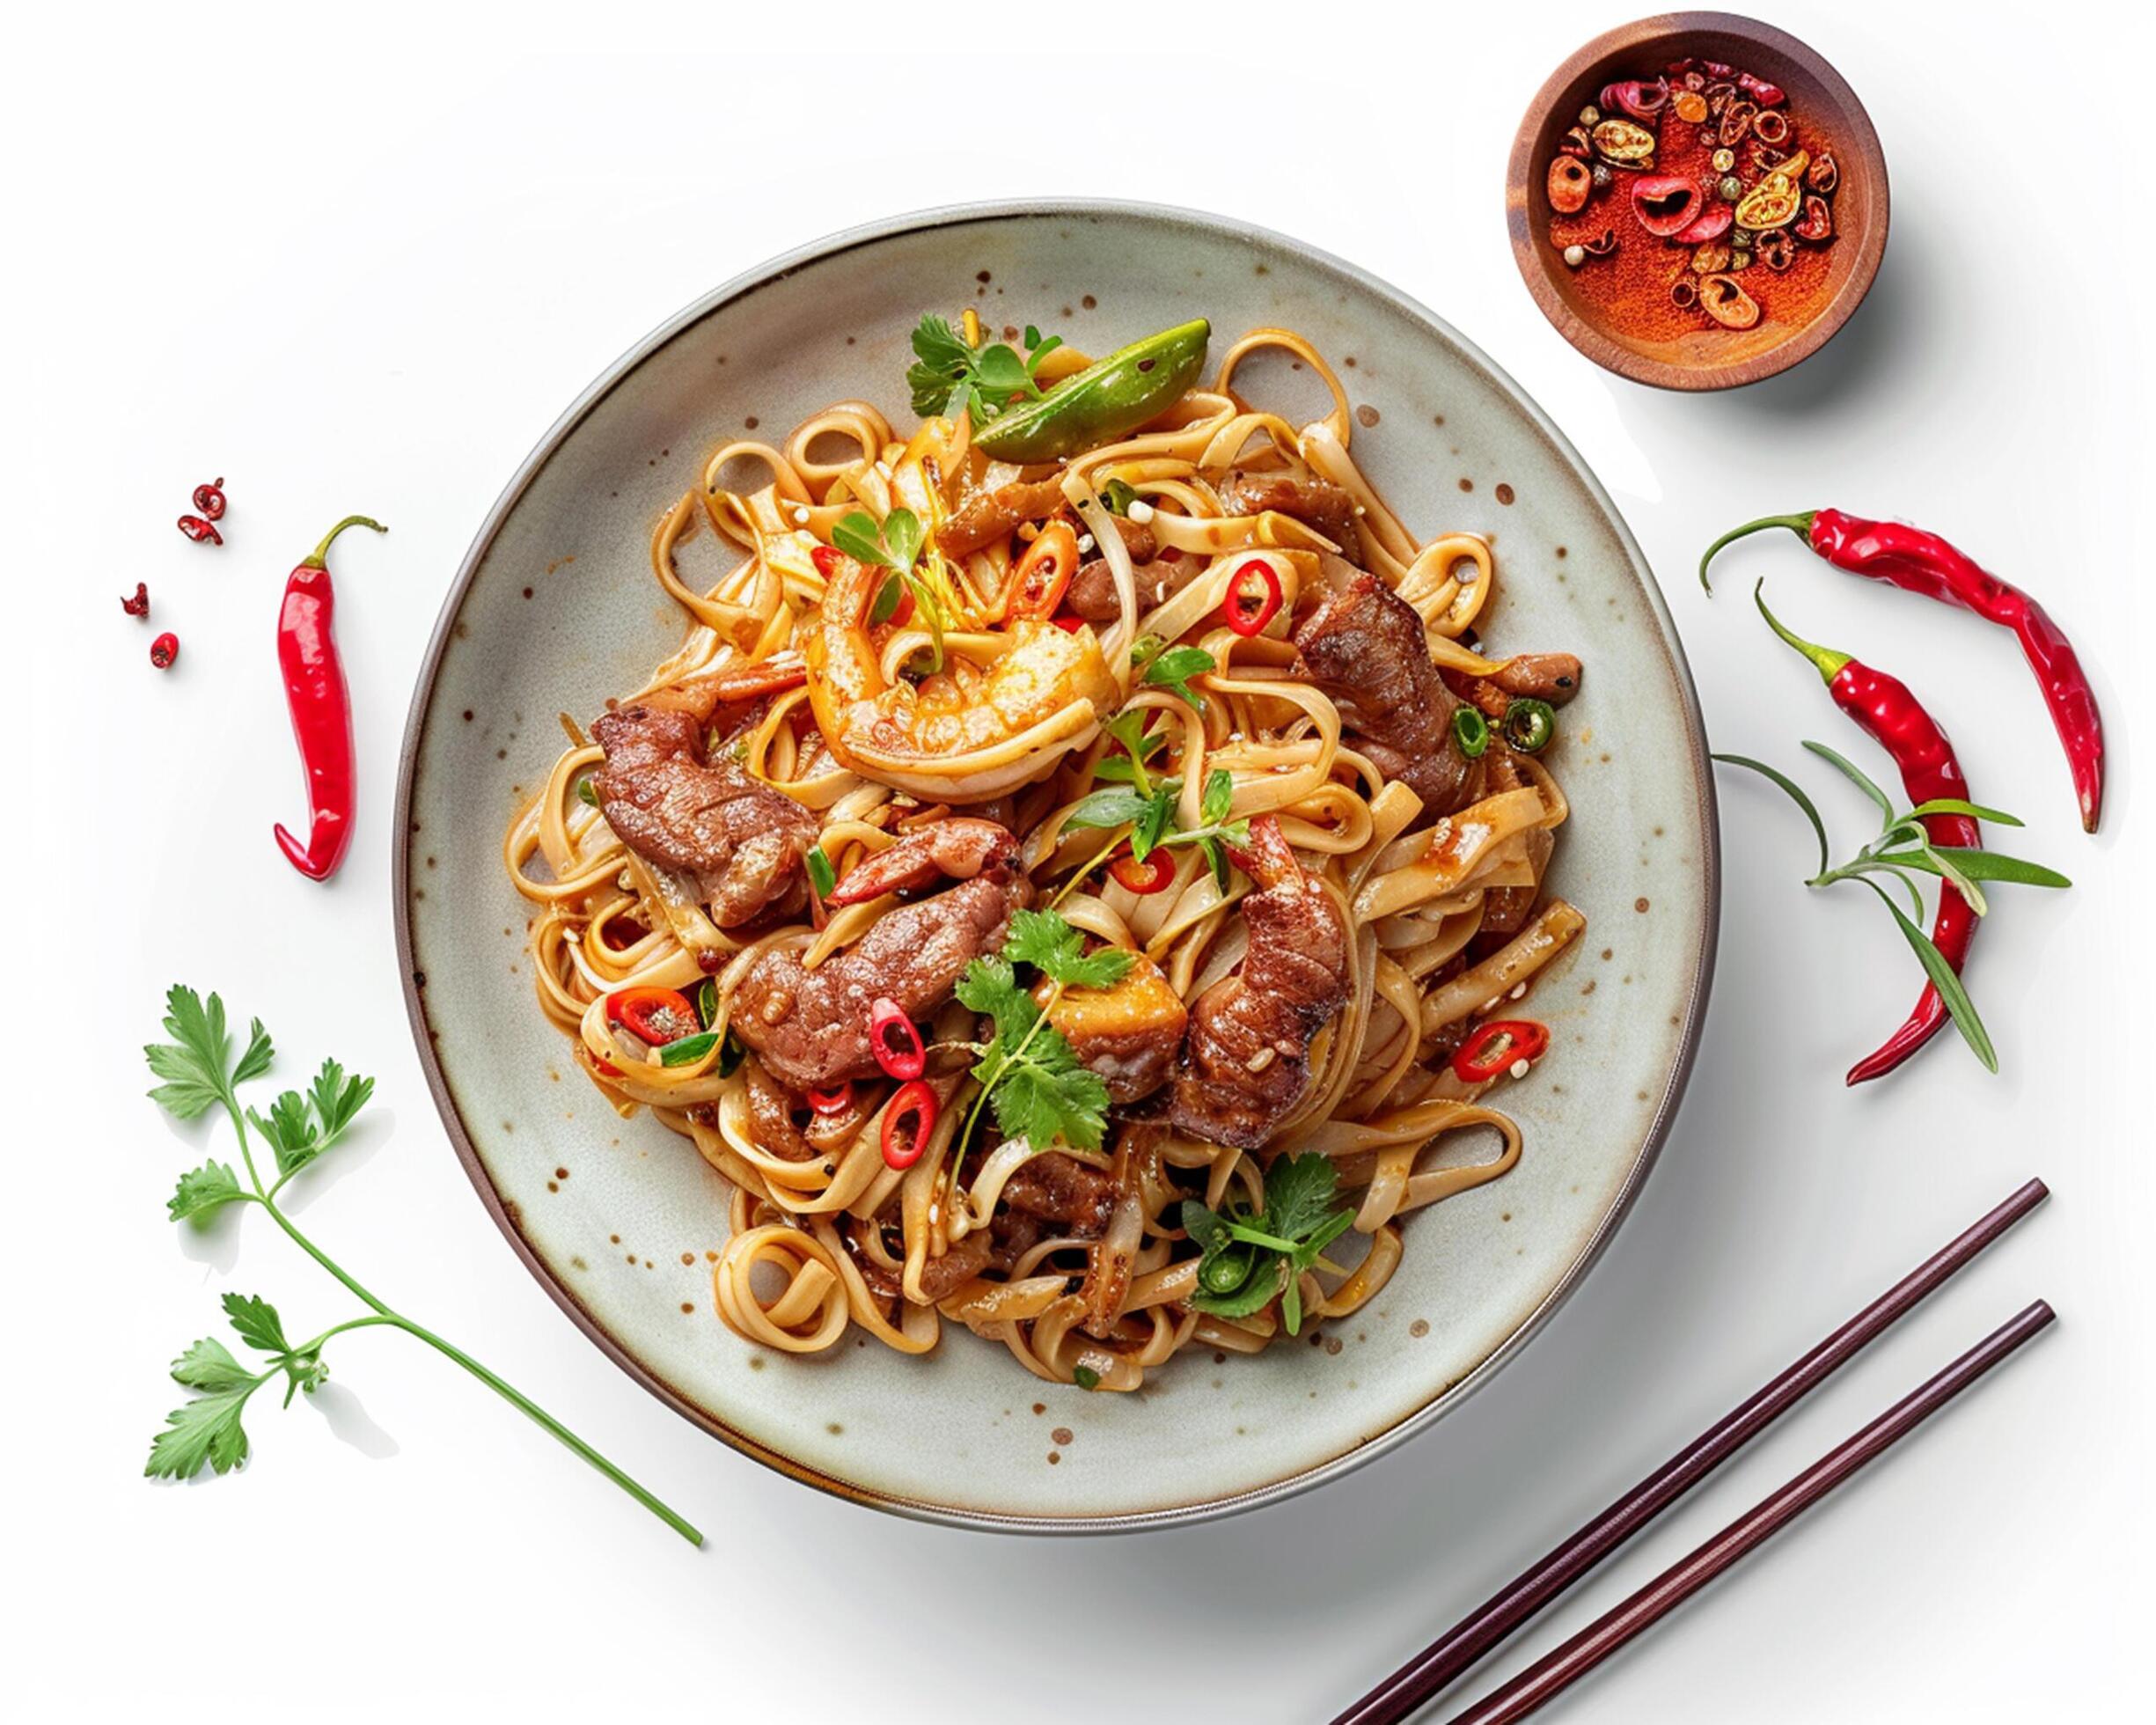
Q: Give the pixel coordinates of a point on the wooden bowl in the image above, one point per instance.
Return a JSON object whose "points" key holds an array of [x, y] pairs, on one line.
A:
{"points": [[1713, 358]]}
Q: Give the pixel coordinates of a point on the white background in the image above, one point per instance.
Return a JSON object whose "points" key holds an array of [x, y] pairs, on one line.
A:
{"points": [[359, 261]]}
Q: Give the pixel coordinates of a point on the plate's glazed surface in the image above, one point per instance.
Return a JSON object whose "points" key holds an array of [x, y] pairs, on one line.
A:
{"points": [[555, 610]]}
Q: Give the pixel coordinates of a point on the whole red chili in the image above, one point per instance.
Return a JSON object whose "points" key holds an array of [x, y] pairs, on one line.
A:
{"points": [[139, 605], [321, 707], [164, 651], [200, 531], [1921, 562], [1893, 718], [209, 499], [1496, 1047]]}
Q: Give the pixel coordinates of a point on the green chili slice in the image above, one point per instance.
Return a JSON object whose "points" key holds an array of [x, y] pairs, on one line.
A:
{"points": [[1470, 732], [1529, 725]]}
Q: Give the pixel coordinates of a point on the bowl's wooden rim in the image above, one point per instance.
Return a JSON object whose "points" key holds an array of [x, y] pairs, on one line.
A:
{"points": [[1856, 142]]}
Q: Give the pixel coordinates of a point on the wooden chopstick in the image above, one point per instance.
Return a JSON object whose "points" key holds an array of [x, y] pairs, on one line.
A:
{"points": [[1550, 1676], [1509, 1609]]}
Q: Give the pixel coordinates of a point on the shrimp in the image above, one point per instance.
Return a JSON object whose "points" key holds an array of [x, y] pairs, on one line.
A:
{"points": [[1247, 1056], [968, 733], [957, 849]]}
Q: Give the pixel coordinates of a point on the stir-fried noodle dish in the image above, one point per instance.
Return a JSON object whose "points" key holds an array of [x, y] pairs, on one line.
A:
{"points": [[1079, 872]]}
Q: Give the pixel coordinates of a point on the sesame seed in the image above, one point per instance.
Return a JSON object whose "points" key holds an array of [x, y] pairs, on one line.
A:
{"points": [[1519, 992], [1085, 541], [1519, 1069], [1142, 511], [801, 516]]}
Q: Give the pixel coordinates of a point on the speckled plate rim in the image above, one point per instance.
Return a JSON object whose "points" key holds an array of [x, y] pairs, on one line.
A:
{"points": [[1446, 1396]]}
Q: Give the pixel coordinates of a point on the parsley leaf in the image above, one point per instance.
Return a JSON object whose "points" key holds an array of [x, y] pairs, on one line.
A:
{"points": [[1108, 808], [822, 876], [209, 1365], [206, 1430], [300, 1128], [1085, 1377], [1219, 798], [1138, 746], [1054, 948], [587, 793], [194, 1064], [203, 1191], [948, 376], [1174, 669], [1118, 496], [257, 1322], [1245, 1261]]}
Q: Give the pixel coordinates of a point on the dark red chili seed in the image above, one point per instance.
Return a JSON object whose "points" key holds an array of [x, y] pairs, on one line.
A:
{"points": [[164, 651], [139, 605], [210, 498], [199, 529]]}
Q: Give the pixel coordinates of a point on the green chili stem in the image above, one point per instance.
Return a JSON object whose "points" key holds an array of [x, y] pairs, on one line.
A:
{"points": [[1829, 662], [320, 557], [1799, 525]]}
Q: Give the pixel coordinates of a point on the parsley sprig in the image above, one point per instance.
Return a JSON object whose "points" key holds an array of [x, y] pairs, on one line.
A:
{"points": [[1247, 1260], [199, 1072], [1028, 1072], [949, 377]]}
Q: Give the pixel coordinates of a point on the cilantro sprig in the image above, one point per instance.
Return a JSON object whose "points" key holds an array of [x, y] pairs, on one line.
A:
{"points": [[199, 1071], [1028, 1071], [950, 377], [1248, 1260]]}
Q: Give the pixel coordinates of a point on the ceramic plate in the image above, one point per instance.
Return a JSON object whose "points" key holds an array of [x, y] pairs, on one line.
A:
{"points": [[555, 609]]}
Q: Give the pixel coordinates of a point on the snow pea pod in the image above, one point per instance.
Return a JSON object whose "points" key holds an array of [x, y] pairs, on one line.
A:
{"points": [[1110, 397]]}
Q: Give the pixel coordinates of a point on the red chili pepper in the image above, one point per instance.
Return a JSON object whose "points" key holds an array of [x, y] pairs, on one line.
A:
{"points": [[1893, 717], [895, 1040], [210, 498], [200, 531], [914, 1101], [1234, 609], [826, 559], [164, 651], [836, 1100], [321, 707], [657, 1016], [1922, 562], [1069, 624], [1767, 95], [139, 605], [1036, 585], [1498, 1046], [1153, 875]]}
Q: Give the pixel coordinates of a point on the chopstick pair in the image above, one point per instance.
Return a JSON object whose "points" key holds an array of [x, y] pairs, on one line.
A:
{"points": [[1467, 1642]]}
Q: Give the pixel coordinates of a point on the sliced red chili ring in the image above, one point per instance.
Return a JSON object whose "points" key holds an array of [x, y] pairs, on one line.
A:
{"points": [[903, 1144], [826, 559], [1236, 609], [1153, 875], [1497, 1047], [1038, 583], [1068, 623], [836, 1100], [657, 1016], [895, 1040]]}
